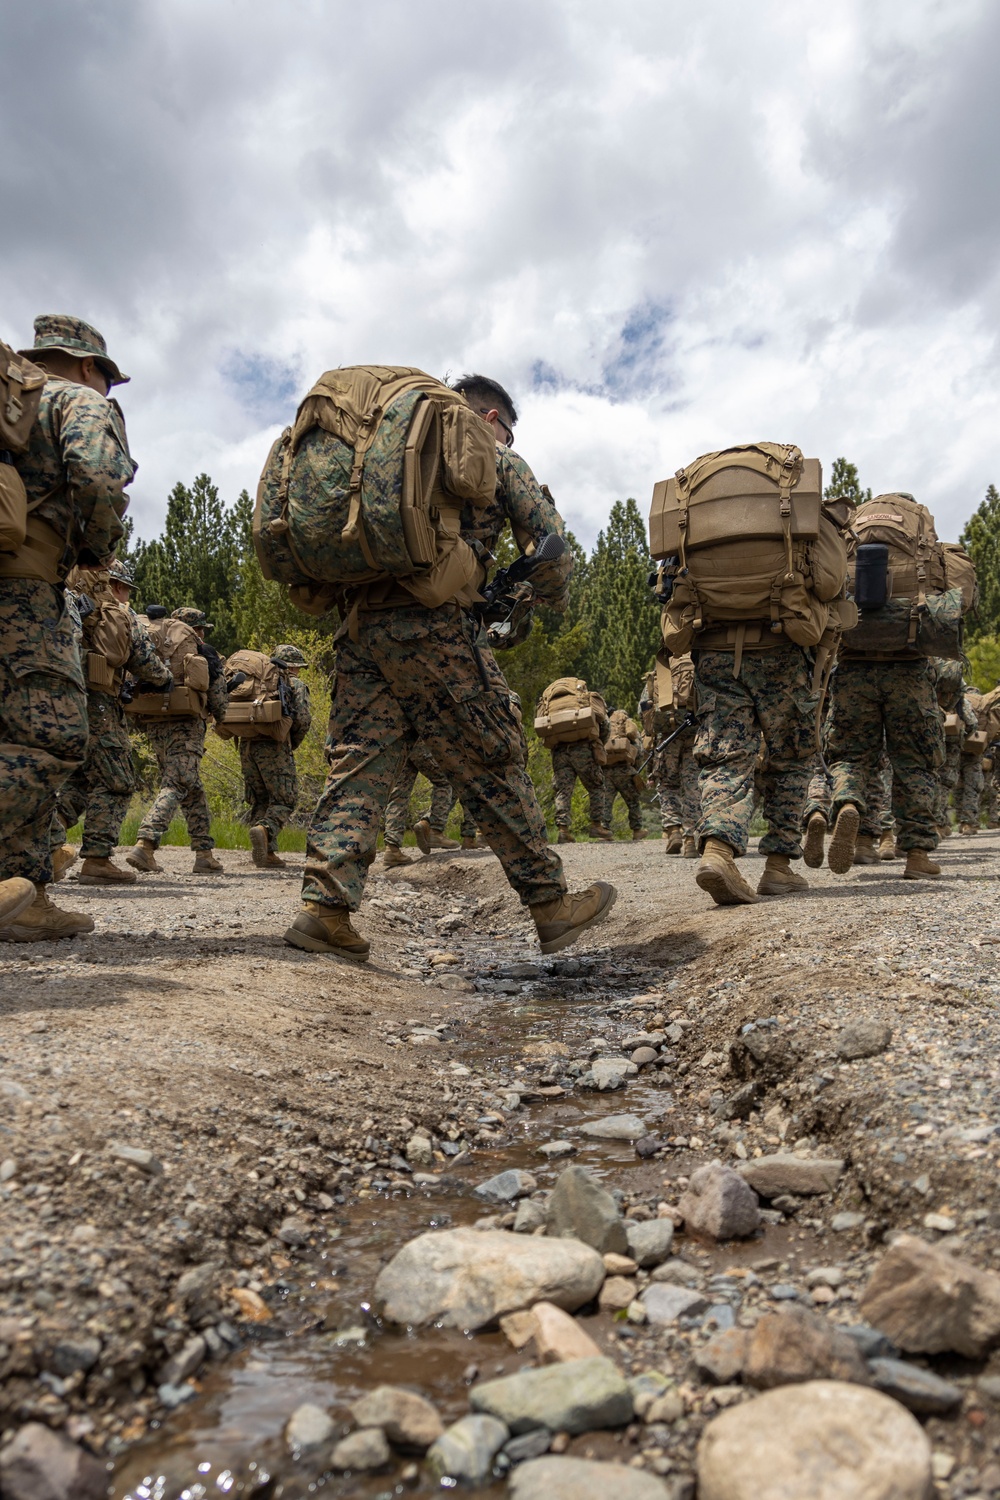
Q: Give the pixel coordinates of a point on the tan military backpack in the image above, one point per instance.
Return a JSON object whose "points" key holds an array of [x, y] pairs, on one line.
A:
{"points": [[255, 709], [622, 745], [107, 629], [568, 713], [21, 385], [752, 555], [177, 643]]}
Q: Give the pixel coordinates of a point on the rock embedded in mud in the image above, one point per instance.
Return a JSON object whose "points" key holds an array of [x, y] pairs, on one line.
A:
{"points": [[823, 1440], [665, 1303], [506, 1186], [580, 1208], [576, 1397], [137, 1156], [39, 1464], [557, 1478], [796, 1345], [929, 1302], [649, 1243], [784, 1173], [294, 1232], [68, 1355], [919, 1390], [468, 1278], [362, 1451], [558, 1337], [863, 1039], [419, 1151], [719, 1204], [190, 1357], [467, 1449], [722, 1359], [554, 1149], [409, 1421], [616, 1294], [308, 1428], [615, 1128]]}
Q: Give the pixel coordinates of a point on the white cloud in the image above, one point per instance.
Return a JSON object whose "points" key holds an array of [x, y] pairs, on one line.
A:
{"points": [[665, 227]]}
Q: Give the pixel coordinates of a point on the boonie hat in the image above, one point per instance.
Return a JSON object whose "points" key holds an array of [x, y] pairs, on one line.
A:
{"points": [[120, 572], [288, 656], [73, 336], [193, 617]]}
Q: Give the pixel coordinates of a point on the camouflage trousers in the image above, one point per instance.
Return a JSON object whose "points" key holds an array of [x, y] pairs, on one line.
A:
{"points": [[178, 746], [43, 720], [947, 780], [570, 762], [877, 818], [270, 784], [895, 703], [991, 791], [969, 792], [620, 781], [412, 676], [419, 762], [676, 777], [100, 791], [772, 696]]}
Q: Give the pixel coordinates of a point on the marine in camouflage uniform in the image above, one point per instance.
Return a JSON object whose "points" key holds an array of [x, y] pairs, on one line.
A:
{"points": [[675, 773], [875, 840], [407, 673], [179, 745], [623, 781], [270, 782], [951, 700], [101, 789], [75, 471], [419, 762], [572, 763]]}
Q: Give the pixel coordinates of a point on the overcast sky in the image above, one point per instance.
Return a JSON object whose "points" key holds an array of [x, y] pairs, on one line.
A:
{"points": [[666, 227]]}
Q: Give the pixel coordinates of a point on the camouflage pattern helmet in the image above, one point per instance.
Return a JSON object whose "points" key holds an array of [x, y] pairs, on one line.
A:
{"points": [[120, 572], [288, 656], [73, 336], [193, 617]]}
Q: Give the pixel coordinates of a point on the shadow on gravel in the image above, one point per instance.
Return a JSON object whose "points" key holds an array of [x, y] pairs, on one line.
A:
{"points": [[89, 993]]}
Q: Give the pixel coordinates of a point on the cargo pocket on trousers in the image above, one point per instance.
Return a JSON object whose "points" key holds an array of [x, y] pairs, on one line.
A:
{"points": [[112, 765], [47, 712], [485, 722]]}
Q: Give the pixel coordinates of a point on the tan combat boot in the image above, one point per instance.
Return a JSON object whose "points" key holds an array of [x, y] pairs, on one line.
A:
{"points": [[887, 845], [779, 879], [258, 845], [919, 866], [474, 843], [717, 874], [689, 848], [327, 929], [428, 838], [16, 895], [561, 922], [943, 830], [815, 839], [42, 922], [275, 862], [143, 857], [968, 828], [840, 854], [675, 839], [565, 837], [205, 863], [637, 834], [62, 859], [104, 872], [865, 852], [600, 833], [394, 857]]}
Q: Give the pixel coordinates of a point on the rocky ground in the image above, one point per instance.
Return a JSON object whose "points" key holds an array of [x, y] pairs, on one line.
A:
{"points": [[212, 1148]]}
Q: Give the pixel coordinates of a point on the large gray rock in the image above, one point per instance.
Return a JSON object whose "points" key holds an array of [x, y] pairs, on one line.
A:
{"points": [[863, 1039], [506, 1186], [39, 1464], [408, 1420], [467, 1449], [783, 1173], [649, 1243], [719, 1204], [796, 1345], [819, 1441], [468, 1278], [580, 1208], [929, 1302], [615, 1128], [553, 1478], [362, 1451], [574, 1397], [918, 1390], [665, 1302]]}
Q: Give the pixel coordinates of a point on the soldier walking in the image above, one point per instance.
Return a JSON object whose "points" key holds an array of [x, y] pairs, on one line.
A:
{"points": [[270, 783]]}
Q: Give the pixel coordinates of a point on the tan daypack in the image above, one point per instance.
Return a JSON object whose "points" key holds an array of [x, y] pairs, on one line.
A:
{"points": [[177, 643], [621, 748], [254, 710], [931, 585], [21, 385], [107, 629], [751, 553], [568, 712]]}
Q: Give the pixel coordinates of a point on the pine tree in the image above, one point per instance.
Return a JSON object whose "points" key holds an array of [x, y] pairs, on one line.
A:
{"points": [[616, 607], [981, 538], [844, 483]]}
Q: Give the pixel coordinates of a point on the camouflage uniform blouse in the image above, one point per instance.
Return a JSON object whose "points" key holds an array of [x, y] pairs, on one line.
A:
{"points": [[521, 500]]}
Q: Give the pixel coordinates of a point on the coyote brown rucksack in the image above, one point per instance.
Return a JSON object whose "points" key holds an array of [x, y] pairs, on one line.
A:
{"points": [[752, 554], [21, 385], [622, 745], [255, 709], [568, 712], [369, 484], [177, 643], [930, 585], [107, 630]]}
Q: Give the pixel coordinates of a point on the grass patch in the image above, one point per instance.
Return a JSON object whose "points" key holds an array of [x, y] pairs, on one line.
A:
{"points": [[228, 833]]}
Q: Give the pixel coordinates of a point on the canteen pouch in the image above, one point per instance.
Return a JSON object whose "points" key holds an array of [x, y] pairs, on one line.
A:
{"points": [[871, 577], [13, 509]]}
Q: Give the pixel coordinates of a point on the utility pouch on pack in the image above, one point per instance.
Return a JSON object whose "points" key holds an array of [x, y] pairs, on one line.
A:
{"points": [[21, 385], [871, 577], [178, 703], [903, 630], [568, 712], [975, 743], [255, 710], [100, 672], [954, 729], [13, 507], [177, 644]]}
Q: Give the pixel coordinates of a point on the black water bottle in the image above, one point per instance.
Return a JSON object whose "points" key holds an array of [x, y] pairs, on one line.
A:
{"points": [[871, 576]]}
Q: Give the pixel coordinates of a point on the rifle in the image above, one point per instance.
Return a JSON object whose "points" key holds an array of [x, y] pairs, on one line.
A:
{"points": [[503, 600], [687, 722]]}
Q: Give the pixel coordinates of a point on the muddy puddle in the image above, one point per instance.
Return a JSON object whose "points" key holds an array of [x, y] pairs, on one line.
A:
{"points": [[329, 1349]]}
